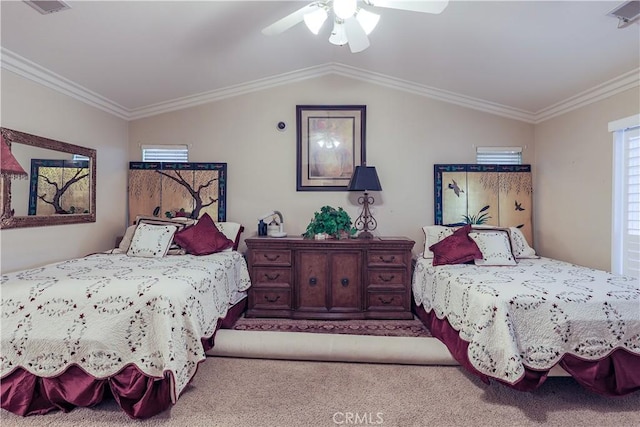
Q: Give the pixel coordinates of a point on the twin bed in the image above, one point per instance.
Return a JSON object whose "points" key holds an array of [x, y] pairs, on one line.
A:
{"points": [[507, 314], [133, 327], [514, 323]]}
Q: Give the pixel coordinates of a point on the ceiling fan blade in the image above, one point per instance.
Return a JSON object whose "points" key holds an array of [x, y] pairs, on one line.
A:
{"points": [[290, 20], [358, 40], [414, 6]]}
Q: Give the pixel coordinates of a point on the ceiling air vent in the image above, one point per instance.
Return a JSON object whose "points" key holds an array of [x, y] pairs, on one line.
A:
{"points": [[627, 13], [48, 6]]}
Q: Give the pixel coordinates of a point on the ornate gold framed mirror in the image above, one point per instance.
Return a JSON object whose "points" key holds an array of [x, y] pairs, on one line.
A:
{"points": [[61, 184]]}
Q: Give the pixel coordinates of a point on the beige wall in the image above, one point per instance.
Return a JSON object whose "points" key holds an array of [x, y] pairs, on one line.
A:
{"points": [[573, 181], [406, 135], [35, 109]]}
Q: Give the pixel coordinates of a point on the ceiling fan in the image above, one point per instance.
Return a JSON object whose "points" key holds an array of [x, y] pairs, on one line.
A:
{"points": [[351, 22]]}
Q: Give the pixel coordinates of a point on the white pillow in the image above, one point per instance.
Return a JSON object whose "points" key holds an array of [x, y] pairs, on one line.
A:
{"points": [[180, 222], [151, 241], [126, 239], [433, 234], [495, 246], [230, 230], [520, 246]]}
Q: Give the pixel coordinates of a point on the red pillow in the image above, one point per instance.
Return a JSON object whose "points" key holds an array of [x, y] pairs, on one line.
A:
{"points": [[456, 249], [202, 238]]}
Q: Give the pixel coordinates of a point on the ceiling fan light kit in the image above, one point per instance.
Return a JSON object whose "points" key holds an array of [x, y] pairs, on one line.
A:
{"points": [[351, 23], [338, 35], [314, 20], [368, 20], [345, 9]]}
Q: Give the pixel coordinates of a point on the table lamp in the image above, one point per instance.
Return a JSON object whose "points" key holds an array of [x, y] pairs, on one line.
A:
{"points": [[365, 178], [10, 167]]}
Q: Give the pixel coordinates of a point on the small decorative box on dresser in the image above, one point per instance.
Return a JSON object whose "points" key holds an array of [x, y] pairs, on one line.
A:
{"points": [[330, 279]]}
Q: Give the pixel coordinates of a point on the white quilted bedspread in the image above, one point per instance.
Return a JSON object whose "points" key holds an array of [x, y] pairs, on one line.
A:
{"points": [[103, 312], [533, 313]]}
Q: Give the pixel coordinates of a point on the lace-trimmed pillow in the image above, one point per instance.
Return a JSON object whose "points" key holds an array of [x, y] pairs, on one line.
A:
{"points": [[495, 245], [520, 246], [232, 231], [151, 241], [432, 235]]}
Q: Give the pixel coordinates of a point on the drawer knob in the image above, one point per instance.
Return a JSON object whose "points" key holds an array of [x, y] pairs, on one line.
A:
{"points": [[386, 301], [271, 257], [387, 278], [271, 276], [387, 259], [345, 282], [272, 299], [313, 281]]}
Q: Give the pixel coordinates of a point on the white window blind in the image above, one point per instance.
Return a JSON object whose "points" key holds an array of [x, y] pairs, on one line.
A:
{"points": [[165, 153], [499, 155], [625, 254]]}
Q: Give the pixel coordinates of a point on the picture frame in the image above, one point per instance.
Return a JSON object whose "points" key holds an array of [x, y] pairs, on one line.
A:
{"points": [[330, 144]]}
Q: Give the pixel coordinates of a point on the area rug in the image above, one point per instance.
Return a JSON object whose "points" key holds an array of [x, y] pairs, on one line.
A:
{"points": [[387, 328]]}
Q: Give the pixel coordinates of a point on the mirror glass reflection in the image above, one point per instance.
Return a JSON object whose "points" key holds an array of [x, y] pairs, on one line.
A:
{"points": [[59, 189]]}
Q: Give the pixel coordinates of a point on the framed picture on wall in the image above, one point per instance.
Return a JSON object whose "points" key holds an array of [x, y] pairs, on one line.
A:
{"points": [[330, 144]]}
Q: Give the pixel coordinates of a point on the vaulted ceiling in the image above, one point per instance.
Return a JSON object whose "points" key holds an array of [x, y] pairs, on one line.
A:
{"points": [[522, 59]]}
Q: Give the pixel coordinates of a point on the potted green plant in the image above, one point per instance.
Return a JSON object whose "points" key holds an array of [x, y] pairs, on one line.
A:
{"points": [[334, 223]]}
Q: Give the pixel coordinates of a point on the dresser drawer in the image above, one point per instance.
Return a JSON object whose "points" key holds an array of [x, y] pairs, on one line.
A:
{"points": [[263, 276], [386, 258], [270, 298], [387, 278], [391, 301], [273, 257]]}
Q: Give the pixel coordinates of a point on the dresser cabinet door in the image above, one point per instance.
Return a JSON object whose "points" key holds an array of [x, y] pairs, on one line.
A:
{"points": [[346, 282], [311, 281]]}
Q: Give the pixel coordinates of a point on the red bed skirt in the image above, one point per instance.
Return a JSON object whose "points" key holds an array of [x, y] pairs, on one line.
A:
{"points": [[617, 374], [139, 395]]}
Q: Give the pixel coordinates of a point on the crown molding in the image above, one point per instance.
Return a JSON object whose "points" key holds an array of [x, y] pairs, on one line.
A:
{"points": [[15, 63], [335, 69], [433, 93], [230, 91], [609, 88], [32, 71]]}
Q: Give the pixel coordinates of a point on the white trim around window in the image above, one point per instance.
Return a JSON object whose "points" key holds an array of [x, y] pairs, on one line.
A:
{"points": [[625, 225]]}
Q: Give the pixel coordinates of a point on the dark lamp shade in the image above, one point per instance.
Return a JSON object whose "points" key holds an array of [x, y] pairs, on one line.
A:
{"points": [[365, 178]]}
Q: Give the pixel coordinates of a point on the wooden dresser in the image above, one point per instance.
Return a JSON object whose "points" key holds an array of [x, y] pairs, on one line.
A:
{"points": [[330, 279]]}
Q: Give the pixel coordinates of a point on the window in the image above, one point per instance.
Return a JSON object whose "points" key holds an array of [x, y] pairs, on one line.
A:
{"points": [[499, 155], [625, 233], [165, 153]]}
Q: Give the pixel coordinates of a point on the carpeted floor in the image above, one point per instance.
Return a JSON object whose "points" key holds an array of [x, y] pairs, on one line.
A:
{"points": [[386, 328], [229, 392]]}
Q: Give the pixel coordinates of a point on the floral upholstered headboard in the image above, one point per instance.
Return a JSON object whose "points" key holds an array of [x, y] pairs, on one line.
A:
{"points": [[499, 195]]}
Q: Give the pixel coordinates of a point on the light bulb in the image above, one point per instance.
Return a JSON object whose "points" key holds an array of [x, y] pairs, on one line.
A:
{"points": [[315, 19], [344, 8], [368, 20]]}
